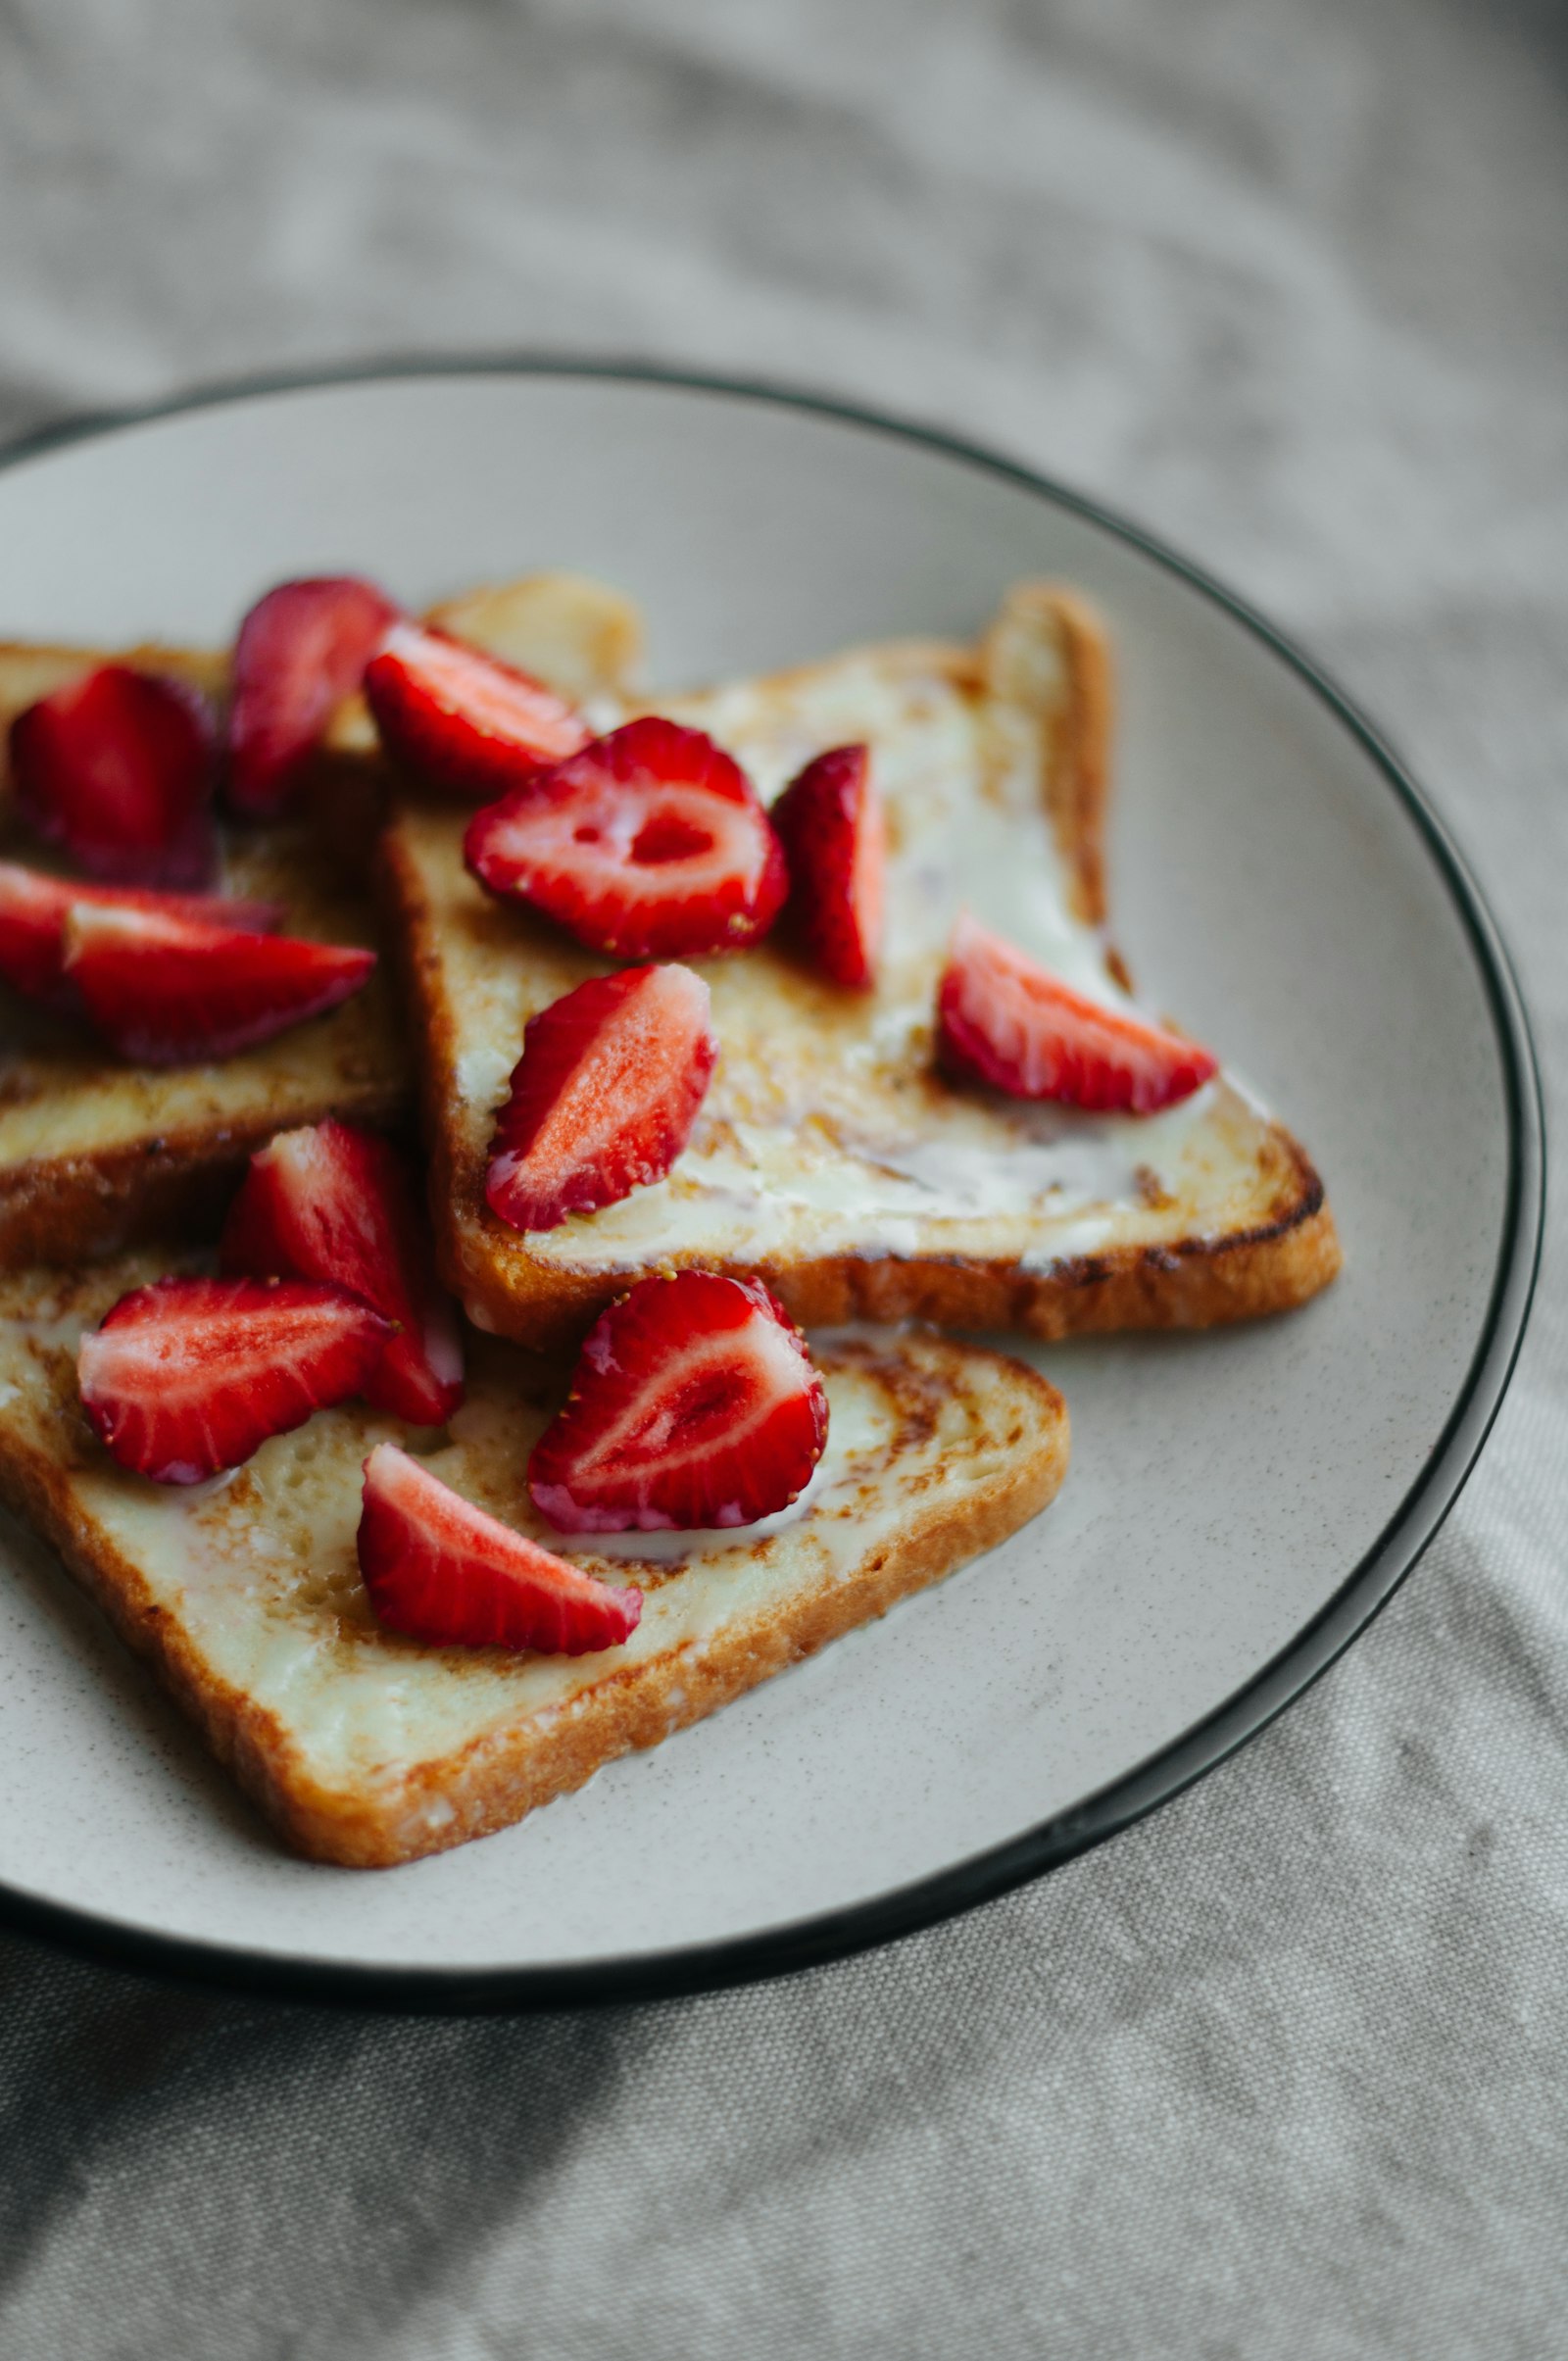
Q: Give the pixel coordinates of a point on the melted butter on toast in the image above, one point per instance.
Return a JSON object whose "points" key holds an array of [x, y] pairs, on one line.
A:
{"points": [[827, 1131], [256, 1571]]}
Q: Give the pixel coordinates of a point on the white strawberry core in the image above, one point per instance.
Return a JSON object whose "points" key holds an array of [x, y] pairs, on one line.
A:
{"points": [[720, 1393], [658, 1025], [674, 840]]}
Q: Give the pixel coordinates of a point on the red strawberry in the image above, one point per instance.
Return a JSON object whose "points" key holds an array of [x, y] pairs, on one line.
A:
{"points": [[694, 1405], [829, 821], [301, 650], [465, 721], [188, 1376], [174, 991], [33, 910], [1014, 1025], [444, 1572], [333, 1202], [604, 1096], [650, 844], [116, 767]]}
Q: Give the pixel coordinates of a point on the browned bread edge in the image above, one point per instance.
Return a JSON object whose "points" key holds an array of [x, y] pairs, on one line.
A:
{"points": [[508, 1772], [79, 1209]]}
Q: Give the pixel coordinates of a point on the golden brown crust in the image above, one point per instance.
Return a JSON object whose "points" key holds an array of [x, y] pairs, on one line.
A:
{"points": [[1078, 789], [511, 1772], [497, 1778], [170, 1179], [82, 1209], [1286, 1251], [248, 1739]]}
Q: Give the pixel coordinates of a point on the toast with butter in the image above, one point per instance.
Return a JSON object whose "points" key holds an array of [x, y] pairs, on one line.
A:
{"points": [[366, 1748], [831, 1155], [95, 1154]]}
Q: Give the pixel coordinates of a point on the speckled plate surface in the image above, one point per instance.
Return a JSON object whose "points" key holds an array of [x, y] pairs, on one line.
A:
{"points": [[1240, 1502]]}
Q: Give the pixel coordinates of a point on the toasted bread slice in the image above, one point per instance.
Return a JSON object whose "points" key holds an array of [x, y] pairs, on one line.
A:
{"points": [[367, 1748], [95, 1155], [829, 1155]]}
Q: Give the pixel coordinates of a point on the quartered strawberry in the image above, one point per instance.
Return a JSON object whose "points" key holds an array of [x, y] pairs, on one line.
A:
{"points": [[333, 1202], [469, 724], [447, 1573], [1012, 1023], [301, 650], [117, 768], [694, 1404], [829, 822], [604, 1096], [33, 910], [169, 991], [649, 844], [188, 1376]]}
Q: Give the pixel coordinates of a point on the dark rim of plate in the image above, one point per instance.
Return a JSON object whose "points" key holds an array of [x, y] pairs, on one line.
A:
{"points": [[778, 1951]]}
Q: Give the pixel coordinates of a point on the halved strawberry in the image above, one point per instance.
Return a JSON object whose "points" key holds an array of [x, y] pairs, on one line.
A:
{"points": [[301, 650], [694, 1404], [465, 721], [649, 844], [116, 767], [188, 1376], [447, 1573], [334, 1202], [174, 991], [829, 821], [1014, 1024], [33, 910], [604, 1096]]}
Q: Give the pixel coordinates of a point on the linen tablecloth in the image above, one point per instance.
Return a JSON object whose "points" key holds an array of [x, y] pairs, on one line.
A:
{"points": [[1283, 2071]]}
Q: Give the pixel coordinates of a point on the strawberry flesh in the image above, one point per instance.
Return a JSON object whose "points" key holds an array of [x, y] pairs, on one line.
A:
{"points": [[694, 1405], [829, 821], [34, 907], [116, 768], [188, 1376], [649, 844], [469, 724], [334, 1202], [167, 991], [604, 1096], [444, 1572], [301, 650], [1003, 1020]]}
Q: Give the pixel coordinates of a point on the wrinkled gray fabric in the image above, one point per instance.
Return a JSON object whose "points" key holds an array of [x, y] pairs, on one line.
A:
{"points": [[1285, 2070]]}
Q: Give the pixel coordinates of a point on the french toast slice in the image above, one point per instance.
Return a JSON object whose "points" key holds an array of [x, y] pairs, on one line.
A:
{"points": [[96, 1155], [367, 1748], [830, 1156]]}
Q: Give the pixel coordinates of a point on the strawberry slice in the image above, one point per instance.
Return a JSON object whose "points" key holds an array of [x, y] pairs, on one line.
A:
{"points": [[334, 1202], [694, 1405], [1011, 1023], [829, 821], [117, 768], [169, 991], [650, 844], [301, 650], [188, 1376], [444, 1572], [33, 910], [604, 1096], [469, 724]]}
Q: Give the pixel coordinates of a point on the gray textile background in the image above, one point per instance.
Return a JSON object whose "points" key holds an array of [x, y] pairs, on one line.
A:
{"points": [[1285, 2071]]}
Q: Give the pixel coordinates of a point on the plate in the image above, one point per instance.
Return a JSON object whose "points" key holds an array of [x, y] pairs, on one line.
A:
{"points": [[1240, 1502]]}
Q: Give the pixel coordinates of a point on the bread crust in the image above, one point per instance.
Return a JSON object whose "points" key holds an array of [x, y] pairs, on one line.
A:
{"points": [[172, 1180], [1286, 1251], [176, 1185], [512, 1768]]}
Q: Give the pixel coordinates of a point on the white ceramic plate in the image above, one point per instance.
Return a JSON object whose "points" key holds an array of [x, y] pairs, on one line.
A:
{"points": [[1239, 1503]]}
